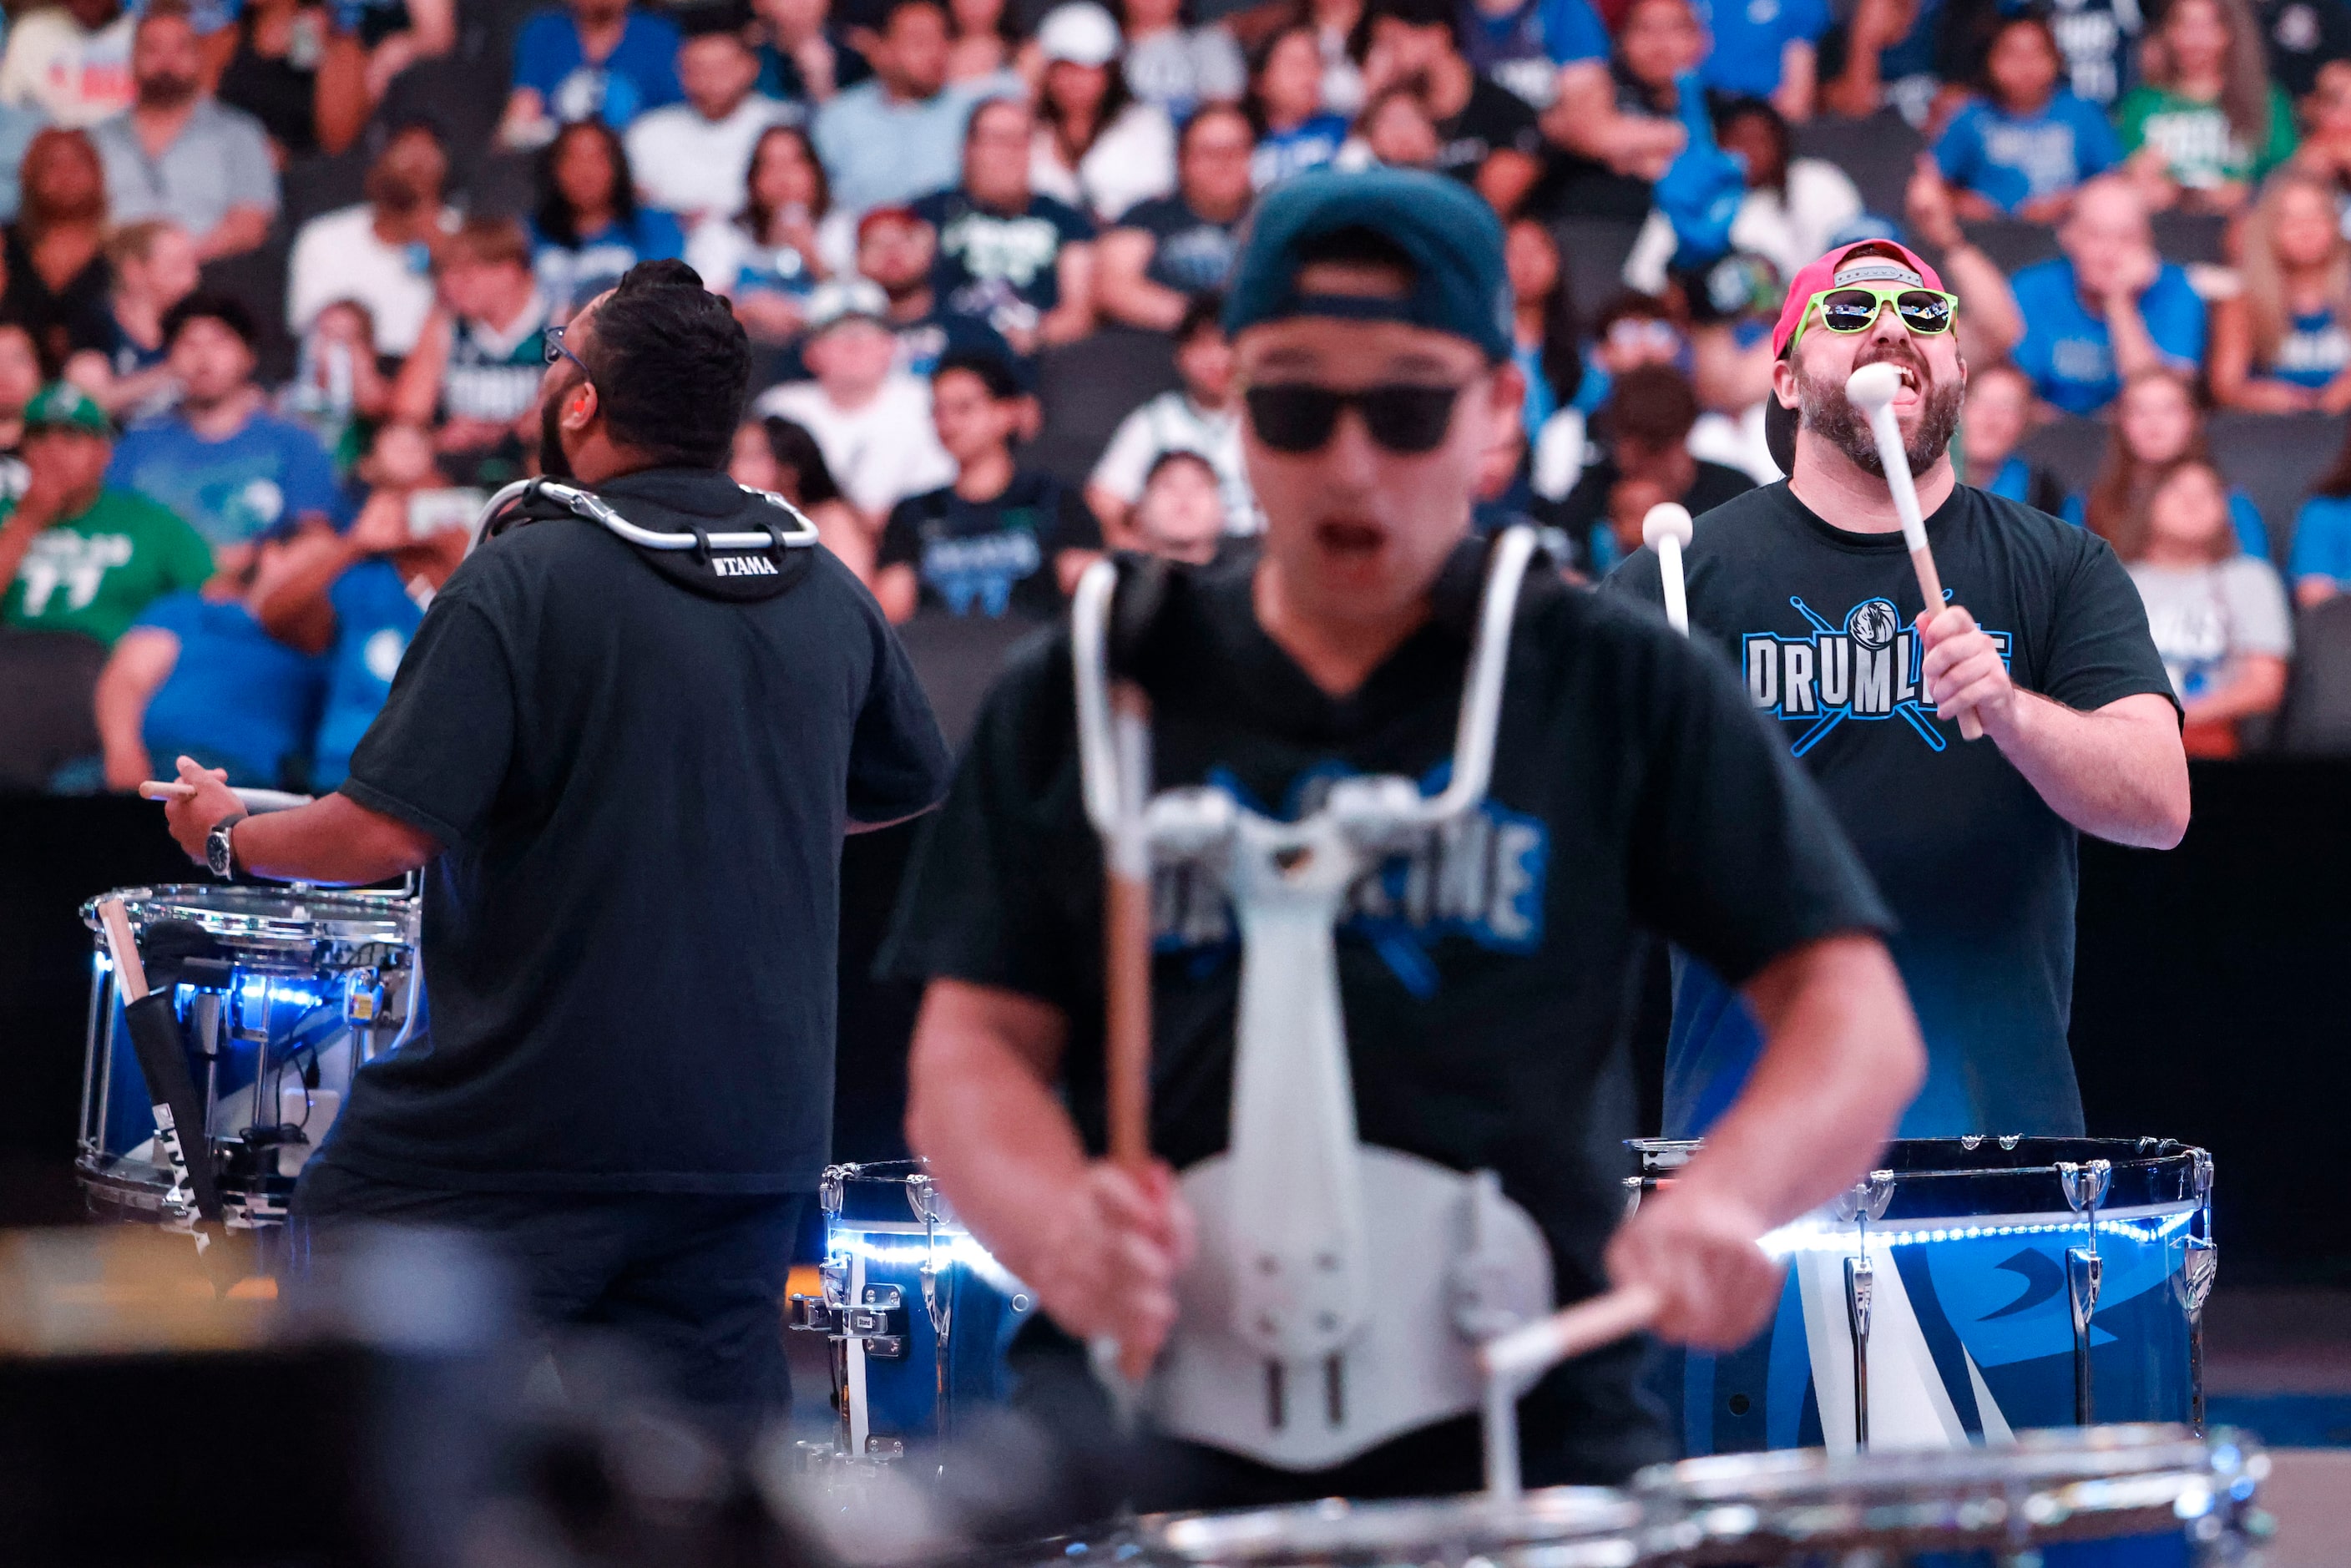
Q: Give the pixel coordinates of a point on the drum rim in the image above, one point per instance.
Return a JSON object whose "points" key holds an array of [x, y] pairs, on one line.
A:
{"points": [[2125, 1152], [333, 913], [2043, 1456], [1298, 1532]]}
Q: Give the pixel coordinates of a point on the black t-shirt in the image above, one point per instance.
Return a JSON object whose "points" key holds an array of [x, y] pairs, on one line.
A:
{"points": [[1486, 981], [1189, 253], [1585, 509], [990, 260], [628, 937], [990, 558], [1978, 867], [2302, 35], [1494, 120]]}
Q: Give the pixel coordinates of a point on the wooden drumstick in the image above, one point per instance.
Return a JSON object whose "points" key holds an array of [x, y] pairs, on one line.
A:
{"points": [[1126, 956], [1872, 389]]}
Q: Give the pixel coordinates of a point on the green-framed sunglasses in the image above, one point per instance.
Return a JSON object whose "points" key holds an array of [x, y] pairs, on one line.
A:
{"points": [[1854, 309]]}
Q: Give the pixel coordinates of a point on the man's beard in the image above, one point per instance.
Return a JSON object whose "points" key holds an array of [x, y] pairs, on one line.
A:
{"points": [[1827, 412], [552, 463], [166, 91]]}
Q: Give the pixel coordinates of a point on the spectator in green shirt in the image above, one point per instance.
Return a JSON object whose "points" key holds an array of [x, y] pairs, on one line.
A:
{"points": [[76, 556], [2207, 123]]}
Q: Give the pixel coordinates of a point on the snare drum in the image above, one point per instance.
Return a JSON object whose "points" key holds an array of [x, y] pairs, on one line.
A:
{"points": [[1558, 1527], [2143, 1495], [281, 992], [919, 1314], [1973, 1288]]}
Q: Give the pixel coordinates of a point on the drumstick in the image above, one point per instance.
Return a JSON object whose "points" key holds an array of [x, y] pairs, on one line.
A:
{"points": [[1666, 529], [1126, 956], [255, 800], [1871, 389], [1527, 1352]]}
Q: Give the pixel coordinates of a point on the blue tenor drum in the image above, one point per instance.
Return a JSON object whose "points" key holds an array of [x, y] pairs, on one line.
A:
{"points": [[1969, 1290], [281, 993], [918, 1314]]}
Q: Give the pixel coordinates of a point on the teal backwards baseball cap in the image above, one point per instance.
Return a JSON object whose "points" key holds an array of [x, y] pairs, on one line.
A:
{"points": [[1451, 237]]}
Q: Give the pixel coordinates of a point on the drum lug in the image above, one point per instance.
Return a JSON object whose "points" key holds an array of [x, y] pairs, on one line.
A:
{"points": [[812, 1315], [1860, 1292], [885, 1347], [832, 1187], [884, 1449], [2192, 1286], [1866, 1200]]}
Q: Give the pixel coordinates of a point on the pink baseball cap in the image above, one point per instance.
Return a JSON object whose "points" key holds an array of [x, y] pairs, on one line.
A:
{"points": [[1834, 271]]}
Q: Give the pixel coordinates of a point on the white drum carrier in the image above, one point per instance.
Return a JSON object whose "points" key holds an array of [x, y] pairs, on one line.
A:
{"points": [[1278, 1352]]}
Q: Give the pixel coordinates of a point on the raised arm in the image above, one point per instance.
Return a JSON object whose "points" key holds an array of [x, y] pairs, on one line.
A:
{"points": [[1101, 1250], [1121, 259], [2117, 771], [1842, 1058], [334, 841]]}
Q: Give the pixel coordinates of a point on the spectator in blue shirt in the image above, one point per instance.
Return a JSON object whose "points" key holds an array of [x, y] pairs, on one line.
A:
{"points": [[593, 58], [1295, 131], [2024, 148], [1764, 49], [589, 228], [804, 54], [2320, 565], [355, 598], [897, 135], [196, 675], [2106, 310], [2000, 416], [2282, 344], [1531, 46], [2156, 427], [221, 460]]}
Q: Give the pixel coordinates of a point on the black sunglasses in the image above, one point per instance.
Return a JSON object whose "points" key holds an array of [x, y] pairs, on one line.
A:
{"points": [[1403, 417], [554, 349]]}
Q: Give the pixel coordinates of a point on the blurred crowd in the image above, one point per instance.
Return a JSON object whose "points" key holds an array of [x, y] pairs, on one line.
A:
{"points": [[281, 277]]}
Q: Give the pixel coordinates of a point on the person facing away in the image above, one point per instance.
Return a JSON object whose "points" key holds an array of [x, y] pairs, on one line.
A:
{"points": [[631, 1122]]}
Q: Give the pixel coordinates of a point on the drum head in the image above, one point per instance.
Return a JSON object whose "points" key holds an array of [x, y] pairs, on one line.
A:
{"points": [[272, 927], [1559, 1527]]}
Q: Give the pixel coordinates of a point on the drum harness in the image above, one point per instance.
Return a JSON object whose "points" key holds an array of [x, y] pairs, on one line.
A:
{"points": [[1276, 1354]]}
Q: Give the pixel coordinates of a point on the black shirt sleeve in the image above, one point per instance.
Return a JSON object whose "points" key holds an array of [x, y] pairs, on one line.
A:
{"points": [[901, 538], [898, 761], [979, 904], [1735, 856], [1074, 525], [2101, 649], [437, 755]]}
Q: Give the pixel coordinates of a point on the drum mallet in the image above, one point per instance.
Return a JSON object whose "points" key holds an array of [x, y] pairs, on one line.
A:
{"points": [[1511, 1362], [181, 1134], [1666, 529], [1871, 389]]}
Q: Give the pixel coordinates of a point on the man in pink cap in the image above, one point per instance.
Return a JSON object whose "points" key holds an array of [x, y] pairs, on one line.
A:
{"points": [[1808, 587]]}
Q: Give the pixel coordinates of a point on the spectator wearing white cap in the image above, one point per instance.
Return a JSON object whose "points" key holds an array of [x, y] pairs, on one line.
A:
{"points": [[1097, 147], [871, 419]]}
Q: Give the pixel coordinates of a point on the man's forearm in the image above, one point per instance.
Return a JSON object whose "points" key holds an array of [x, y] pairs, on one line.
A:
{"points": [[980, 1111], [2119, 773], [1842, 1059], [2134, 349], [335, 842]]}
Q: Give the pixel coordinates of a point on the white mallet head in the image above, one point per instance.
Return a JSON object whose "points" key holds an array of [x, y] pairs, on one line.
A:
{"points": [[1666, 519], [1873, 387]]}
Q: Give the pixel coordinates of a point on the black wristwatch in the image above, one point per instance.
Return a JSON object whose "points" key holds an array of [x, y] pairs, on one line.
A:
{"points": [[220, 852]]}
